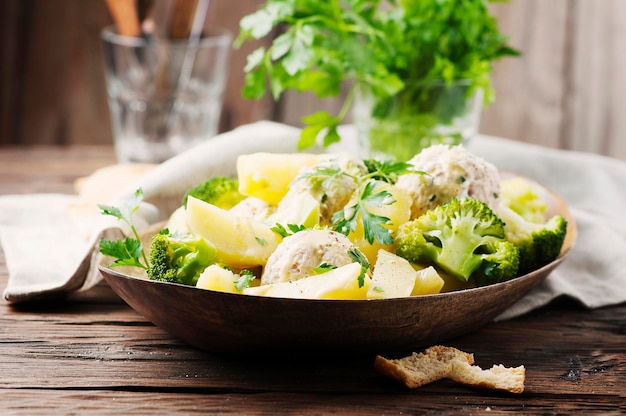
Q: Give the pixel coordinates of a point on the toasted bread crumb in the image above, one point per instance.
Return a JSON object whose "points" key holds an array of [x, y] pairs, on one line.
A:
{"points": [[497, 377], [419, 369], [440, 362]]}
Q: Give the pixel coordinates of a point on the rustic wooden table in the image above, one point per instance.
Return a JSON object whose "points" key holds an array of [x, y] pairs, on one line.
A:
{"points": [[95, 355]]}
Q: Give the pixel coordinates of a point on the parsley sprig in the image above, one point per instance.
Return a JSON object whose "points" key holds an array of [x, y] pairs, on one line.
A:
{"points": [[291, 229], [358, 257], [370, 195], [385, 46], [245, 280], [128, 251]]}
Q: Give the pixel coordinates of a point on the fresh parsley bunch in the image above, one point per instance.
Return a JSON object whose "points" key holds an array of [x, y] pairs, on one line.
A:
{"points": [[384, 46]]}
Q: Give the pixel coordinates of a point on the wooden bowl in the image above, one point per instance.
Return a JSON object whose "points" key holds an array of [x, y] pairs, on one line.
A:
{"points": [[229, 323]]}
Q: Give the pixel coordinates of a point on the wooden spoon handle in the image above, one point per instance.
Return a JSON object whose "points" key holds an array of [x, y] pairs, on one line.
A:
{"points": [[182, 18], [124, 13]]}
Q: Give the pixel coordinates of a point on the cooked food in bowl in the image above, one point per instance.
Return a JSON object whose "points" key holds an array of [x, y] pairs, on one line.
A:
{"points": [[333, 226]]}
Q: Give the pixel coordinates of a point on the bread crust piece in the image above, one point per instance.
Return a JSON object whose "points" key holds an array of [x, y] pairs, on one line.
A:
{"points": [[497, 377], [439, 362], [419, 369]]}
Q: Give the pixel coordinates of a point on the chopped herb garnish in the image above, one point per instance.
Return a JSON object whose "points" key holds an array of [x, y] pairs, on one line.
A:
{"points": [[323, 268], [245, 280], [290, 230], [358, 257]]}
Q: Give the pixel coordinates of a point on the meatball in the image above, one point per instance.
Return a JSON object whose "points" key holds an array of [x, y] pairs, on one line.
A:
{"points": [[299, 254], [254, 208], [451, 171]]}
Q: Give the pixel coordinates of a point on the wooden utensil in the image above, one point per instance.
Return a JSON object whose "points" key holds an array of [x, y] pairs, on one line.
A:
{"points": [[125, 17], [183, 18]]}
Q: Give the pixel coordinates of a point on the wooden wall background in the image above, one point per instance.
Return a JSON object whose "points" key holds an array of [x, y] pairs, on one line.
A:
{"points": [[567, 90]]}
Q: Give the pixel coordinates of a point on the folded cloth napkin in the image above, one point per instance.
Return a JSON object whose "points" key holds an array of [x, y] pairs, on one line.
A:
{"points": [[42, 265]]}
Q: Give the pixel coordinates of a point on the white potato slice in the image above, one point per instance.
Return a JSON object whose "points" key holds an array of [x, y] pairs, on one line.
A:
{"points": [[240, 241], [395, 277], [339, 283]]}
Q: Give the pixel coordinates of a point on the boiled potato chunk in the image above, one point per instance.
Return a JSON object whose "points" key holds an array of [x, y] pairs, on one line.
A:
{"points": [[428, 282], [396, 277], [240, 241], [303, 210], [267, 175], [393, 277], [339, 283], [217, 278]]}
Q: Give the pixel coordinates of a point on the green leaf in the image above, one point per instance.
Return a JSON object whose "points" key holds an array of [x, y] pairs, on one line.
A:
{"points": [[316, 122], [126, 252], [255, 59], [299, 56], [358, 257], [308, 136], [373, 224], [331, 136], [129, 251], [320, 117], [254, 85], [290, 230], [281, 45], [324, 268], [258, 24], [245, 280]]}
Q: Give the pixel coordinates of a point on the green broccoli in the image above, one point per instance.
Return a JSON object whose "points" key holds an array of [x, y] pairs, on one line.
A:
{"points": [[221, 191], [539, 239], [179, 258], [463, 237]]}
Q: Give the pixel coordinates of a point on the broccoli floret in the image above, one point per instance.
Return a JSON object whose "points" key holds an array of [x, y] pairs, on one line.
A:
{"points": [[538, 243], [180, 257], [221, 191], [465, 238], [538, 238]]}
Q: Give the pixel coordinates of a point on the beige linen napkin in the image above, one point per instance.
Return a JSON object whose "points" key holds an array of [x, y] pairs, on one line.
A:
{"points": [[44, 244], [591, 185]]}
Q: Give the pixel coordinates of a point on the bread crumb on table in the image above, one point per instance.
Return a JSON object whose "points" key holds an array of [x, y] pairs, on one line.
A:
{"points": [[439, 362]]}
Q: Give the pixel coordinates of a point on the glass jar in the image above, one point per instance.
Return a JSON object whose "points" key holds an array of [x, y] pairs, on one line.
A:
{"points": [[420, 115]]}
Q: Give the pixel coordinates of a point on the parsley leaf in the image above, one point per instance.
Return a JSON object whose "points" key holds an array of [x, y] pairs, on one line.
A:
{"points": [[290, 230], [245, 280], [358, 257], [126, 252], [346, 220], [323, 268], [129, 251]]}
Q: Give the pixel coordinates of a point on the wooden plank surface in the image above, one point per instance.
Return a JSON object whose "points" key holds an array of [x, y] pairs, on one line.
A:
{"points": [[93, 355]]}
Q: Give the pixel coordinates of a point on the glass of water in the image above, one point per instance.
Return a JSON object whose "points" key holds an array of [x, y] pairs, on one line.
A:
{"points": [[165, 95]]}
